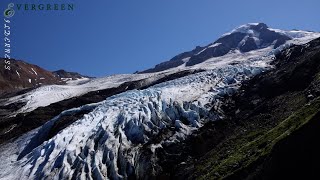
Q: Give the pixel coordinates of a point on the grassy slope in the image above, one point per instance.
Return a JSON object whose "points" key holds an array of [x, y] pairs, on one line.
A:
{"points": [[245, 154]]}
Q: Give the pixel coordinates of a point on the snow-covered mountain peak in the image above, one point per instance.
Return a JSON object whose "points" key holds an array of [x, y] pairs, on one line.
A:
{"points": [[255, 30], [253, 36], [243, 39], [249, 28]]}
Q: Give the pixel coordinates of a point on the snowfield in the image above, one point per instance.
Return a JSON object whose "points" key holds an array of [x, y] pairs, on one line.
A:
{"points": [[105, 143]]}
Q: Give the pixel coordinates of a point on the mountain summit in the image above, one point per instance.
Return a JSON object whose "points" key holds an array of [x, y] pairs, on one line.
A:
{"points": [[245, 38]]}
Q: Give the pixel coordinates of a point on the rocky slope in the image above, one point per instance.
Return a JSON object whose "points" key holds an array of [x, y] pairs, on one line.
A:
{"points": [[23, 75], [64, 75]]}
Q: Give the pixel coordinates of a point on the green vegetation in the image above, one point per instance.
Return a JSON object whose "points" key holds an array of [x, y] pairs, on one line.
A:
{"points": [[317, 77], [254, 146]]}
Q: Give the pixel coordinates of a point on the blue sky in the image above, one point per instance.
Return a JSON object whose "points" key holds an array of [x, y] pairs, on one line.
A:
{"points": [[103, 37]]}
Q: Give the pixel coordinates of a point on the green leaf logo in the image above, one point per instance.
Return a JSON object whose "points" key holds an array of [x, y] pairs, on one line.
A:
{"points": [[9, 12]]}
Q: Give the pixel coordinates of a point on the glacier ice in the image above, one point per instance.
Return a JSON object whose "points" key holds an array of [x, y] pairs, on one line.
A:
{"points": [[105, 142]]}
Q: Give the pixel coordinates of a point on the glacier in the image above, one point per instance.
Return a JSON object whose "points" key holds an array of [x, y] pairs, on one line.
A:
{"points": [[106, 141]]}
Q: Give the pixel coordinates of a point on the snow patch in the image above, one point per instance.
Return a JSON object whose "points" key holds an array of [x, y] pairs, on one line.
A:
{"points": [[214, 45], [186, 59], [18, 73], [201, 51], [34, 71]]}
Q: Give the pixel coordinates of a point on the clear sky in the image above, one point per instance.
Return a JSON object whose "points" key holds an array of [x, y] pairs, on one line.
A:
{"points": [[102, 37]]}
